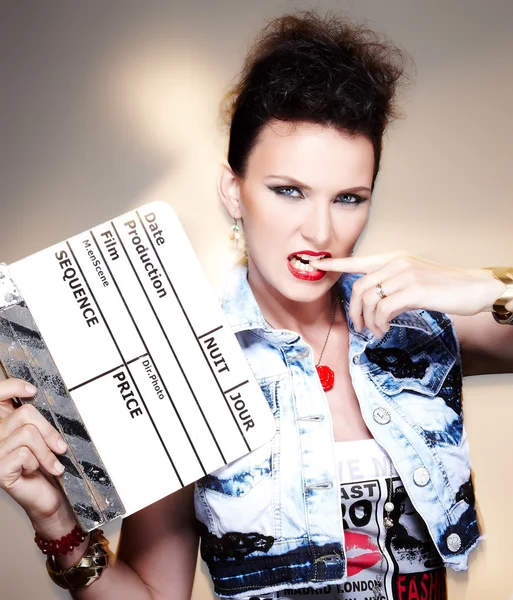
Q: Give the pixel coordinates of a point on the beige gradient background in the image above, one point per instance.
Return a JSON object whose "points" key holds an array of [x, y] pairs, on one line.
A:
{"points": [[107, 104]]}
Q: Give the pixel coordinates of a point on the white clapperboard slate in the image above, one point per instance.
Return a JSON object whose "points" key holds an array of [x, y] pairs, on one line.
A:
{"points": [[155, 372]]}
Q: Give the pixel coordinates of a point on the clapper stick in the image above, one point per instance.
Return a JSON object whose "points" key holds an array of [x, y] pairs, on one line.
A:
{"points": [[23, 354]]}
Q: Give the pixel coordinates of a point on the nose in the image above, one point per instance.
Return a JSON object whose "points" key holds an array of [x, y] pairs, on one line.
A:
{"points": [[317, 226]]}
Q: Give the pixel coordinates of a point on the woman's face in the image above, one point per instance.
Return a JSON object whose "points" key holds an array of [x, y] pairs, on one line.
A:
{"points": [[306, 193]]}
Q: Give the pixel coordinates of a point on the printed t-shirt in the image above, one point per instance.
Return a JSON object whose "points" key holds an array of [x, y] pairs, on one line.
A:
{"points": [[410, 564]]}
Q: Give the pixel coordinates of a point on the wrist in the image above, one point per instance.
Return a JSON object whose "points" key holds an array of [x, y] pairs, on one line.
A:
{"points": [[54, 526], [490, 289], [502, 307]]}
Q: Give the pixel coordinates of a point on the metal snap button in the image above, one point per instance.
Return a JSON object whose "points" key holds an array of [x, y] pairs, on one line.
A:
{"points": [[323, 485], [328, 559], [381, 415], [356, 359], [331, 559], [454, 542], [421, 476], [316, 418]]}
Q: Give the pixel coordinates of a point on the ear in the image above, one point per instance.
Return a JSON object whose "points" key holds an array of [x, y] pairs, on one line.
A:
{"points": [[228, 188]]}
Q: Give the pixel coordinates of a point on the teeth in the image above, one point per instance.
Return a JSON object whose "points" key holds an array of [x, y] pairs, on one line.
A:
{"points": [[300, 266], [308, 257]]}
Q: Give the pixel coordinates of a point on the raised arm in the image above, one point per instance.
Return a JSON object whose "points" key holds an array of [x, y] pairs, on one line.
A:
{"points": [[397, 282], [159, 544], [486, 346], [157, 554]]}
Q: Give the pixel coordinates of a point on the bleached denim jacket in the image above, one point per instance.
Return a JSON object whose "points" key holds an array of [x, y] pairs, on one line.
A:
{"points": [[272, 519]]}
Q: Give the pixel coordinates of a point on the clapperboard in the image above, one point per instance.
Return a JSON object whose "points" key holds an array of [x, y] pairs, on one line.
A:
{"points": [[134, 362]]}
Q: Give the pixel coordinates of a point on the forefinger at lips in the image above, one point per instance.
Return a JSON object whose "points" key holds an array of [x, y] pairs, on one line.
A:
{"points": [[13, 388], [354, 264]]}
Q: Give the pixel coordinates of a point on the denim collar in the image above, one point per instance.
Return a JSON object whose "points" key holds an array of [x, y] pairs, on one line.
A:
{"points": [[243, 312]]}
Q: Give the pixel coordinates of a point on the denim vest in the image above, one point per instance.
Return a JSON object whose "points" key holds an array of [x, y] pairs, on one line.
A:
{"points": [[272, 519]]}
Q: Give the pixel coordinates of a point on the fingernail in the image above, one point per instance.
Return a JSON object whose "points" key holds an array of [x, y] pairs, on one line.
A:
{"points": [[61, 445], [58, 467], [31, 389]]}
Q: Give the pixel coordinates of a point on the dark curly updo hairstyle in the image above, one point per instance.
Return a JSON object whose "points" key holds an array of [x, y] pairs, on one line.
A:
{"points": [[317, 69]]}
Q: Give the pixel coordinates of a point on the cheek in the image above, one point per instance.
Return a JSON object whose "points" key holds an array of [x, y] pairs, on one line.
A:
{"points": [[260, 214], [260, 224], [362, 221], [261, 229], [351, 227]]}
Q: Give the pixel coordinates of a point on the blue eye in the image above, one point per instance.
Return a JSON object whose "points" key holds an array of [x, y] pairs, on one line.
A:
{"points": [[288, 191], [350, 199]]}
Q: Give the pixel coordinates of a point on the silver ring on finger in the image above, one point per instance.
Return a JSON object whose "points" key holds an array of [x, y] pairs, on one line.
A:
{"points": [[380, 292]]}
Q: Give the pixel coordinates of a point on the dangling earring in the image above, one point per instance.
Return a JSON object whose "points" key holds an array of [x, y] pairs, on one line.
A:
{"points": [[235, 231], [236, 236]]}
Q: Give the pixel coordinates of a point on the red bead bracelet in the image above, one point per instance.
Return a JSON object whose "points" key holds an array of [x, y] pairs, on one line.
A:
{"points": [[67, 543]]}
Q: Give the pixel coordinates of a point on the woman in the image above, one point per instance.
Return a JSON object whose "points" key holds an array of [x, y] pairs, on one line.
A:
{"points": [[365, 388]]}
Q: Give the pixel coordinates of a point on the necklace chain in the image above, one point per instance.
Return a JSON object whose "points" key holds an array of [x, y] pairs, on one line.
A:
{"points": [[388, 523], [335, 304]]}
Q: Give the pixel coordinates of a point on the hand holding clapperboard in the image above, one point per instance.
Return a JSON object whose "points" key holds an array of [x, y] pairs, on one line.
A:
{"points": [[144, 363]]}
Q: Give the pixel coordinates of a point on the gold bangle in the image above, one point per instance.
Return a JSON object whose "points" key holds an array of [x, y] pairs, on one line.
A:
{"points": [[88, 569], [500, 313]]}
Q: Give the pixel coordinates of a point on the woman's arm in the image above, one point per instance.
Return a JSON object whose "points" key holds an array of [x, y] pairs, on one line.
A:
{"points": [[160, 543], [157, 554], [158, 549], [486, 346], [397, 282]]}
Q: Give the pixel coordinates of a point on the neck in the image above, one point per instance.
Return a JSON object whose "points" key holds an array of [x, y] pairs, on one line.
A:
{"points": [[283, 313]]}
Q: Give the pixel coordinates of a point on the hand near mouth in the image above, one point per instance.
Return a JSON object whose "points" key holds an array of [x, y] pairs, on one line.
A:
{"points": [[396, 282], [354, 264]]}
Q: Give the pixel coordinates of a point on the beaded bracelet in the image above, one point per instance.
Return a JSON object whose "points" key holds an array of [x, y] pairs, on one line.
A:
{"points": [[88, 569], [67, 543]]}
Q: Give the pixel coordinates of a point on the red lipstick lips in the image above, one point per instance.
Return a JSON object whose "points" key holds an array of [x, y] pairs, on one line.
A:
{"points": [[296, 261]]}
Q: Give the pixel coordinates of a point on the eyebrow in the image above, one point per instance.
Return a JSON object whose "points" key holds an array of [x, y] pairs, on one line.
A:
{"points": [[296, 182]]}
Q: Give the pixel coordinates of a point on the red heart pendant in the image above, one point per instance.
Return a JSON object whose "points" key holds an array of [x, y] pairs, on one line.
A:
{"points": [[326, 376]]}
